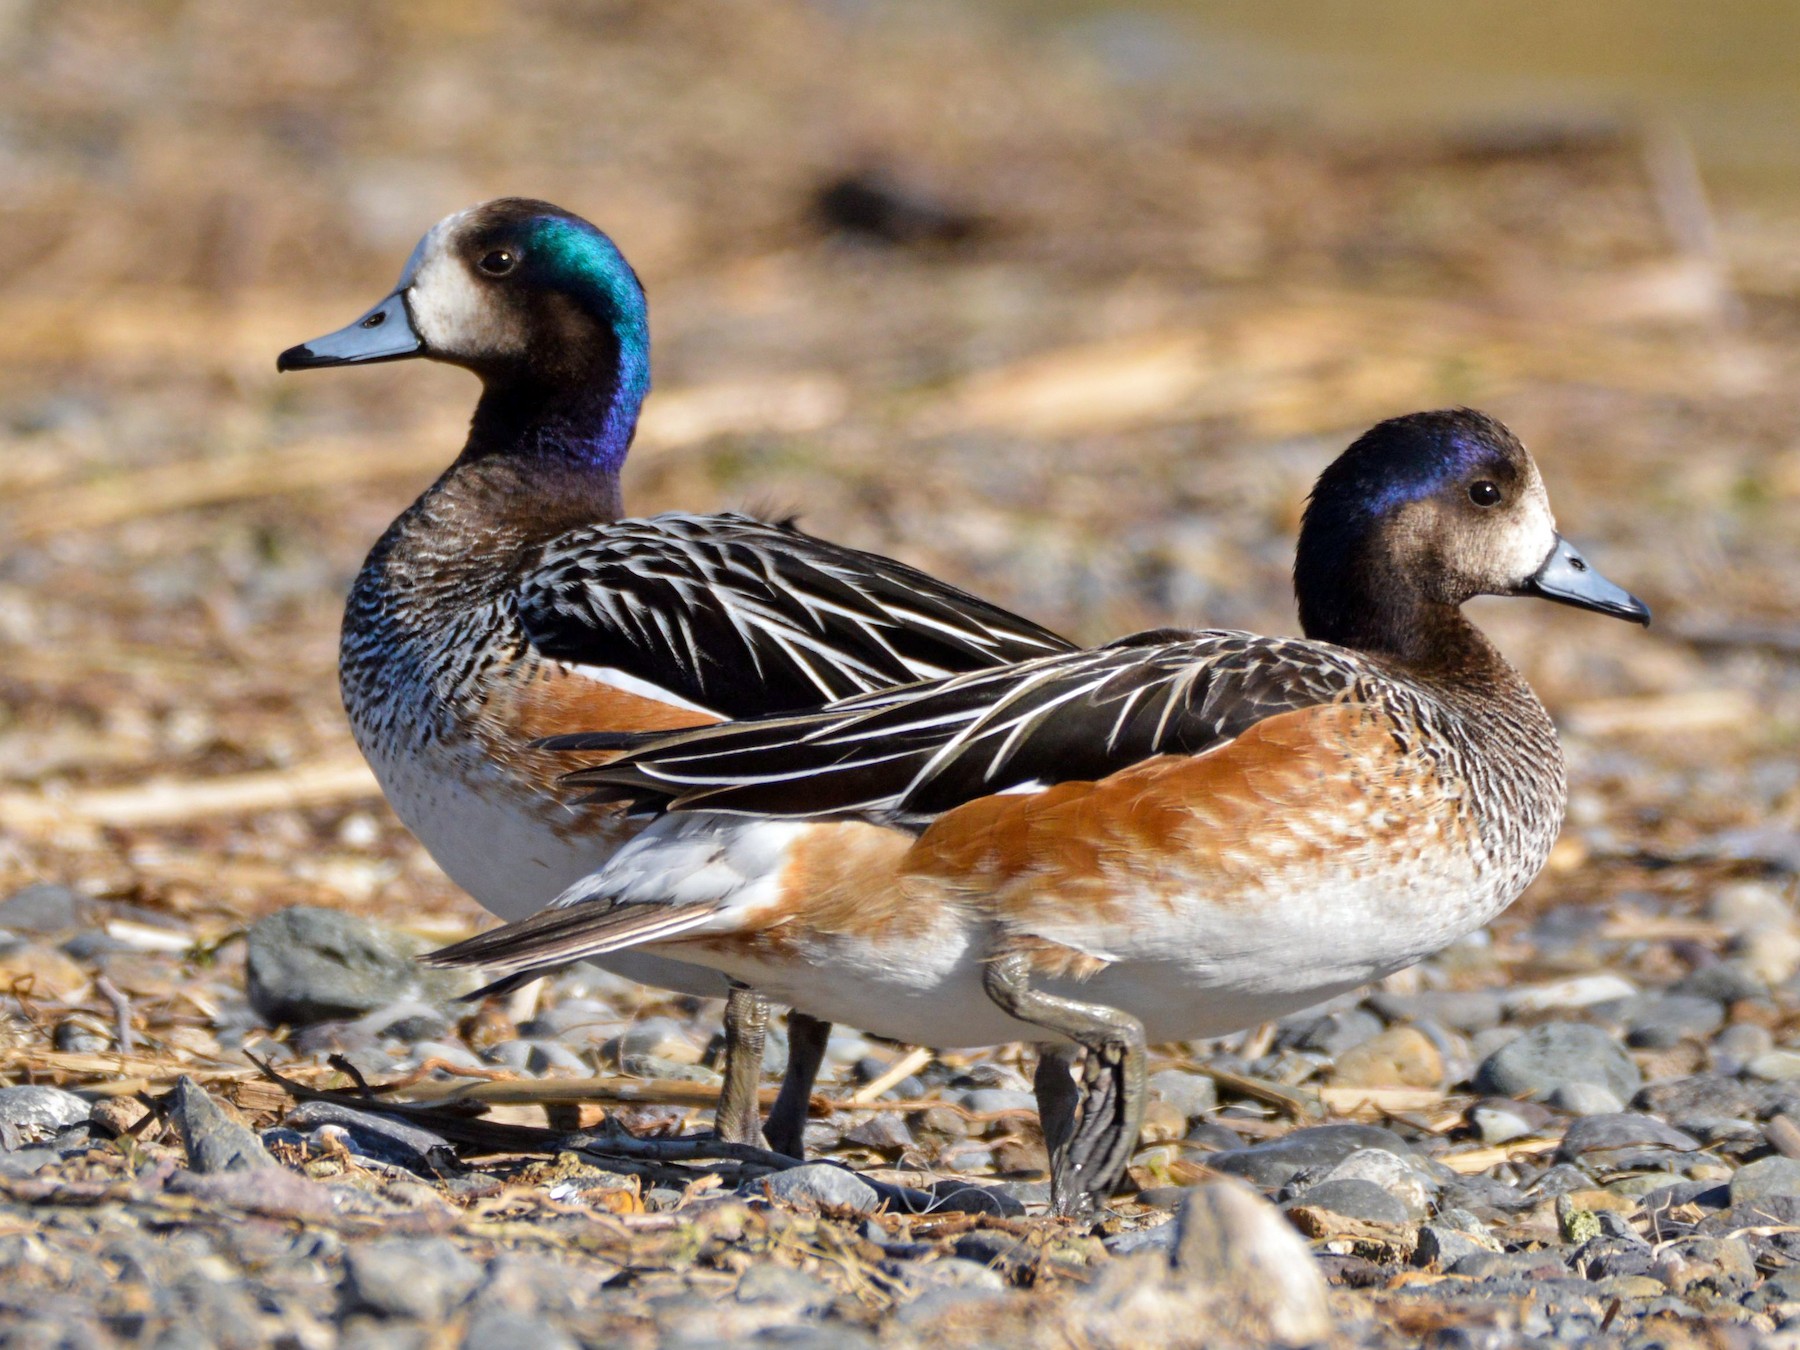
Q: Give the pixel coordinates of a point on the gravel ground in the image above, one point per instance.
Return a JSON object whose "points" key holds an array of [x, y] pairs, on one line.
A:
{"points": [[1090, 370]]}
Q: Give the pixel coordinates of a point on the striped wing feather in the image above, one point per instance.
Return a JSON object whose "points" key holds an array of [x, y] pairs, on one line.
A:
{"points": [[906, 756], [557, 937], [746, 617]]}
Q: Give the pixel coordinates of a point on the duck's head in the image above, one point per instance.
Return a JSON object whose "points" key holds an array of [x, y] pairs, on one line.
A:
{"points": [[1424, 512], [523, 293]]}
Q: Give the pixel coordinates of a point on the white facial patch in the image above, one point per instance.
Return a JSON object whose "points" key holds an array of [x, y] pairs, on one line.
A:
{"points": [[1530, 537], [454, 314]]}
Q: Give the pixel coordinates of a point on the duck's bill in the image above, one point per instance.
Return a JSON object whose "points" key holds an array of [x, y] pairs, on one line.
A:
{"points": [[1569, 579], [385, 333]]}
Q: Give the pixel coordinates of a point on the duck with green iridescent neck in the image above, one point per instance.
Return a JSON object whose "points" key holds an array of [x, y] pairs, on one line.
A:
{"points": [[511, 602]]}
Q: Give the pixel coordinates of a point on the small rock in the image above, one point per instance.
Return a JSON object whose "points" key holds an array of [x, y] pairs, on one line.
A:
{"points": [[955, 1272], [1734, 1047], [1402, 1178], [818, 1186], [885, 1131], [1332, 1033], [1724, 982], [1498, 1119], [794, 1290], [491, 1327], [1536, 1063], [1192, 1094], [1764, 1179], [213, 1140], [1398, 1057], [1701, 1094], [1234, 1244], [81, 1034], [1775, 1066], [1659, 1021], [992, 1101], [44, 908], [1275, 1163], [39, 1112], [1623, 1140], [1744, 906], [1586, 1099], [273, 1192], [661, 1038], [1465, 1011], [1354, 1198], [1580, 991], [1441, 1246], [1724, 1263], [306, 965], [420, 1278], [384, 1138]]}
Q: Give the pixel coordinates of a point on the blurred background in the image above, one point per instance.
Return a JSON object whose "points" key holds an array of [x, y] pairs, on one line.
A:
{"points": [[1066, 301]]}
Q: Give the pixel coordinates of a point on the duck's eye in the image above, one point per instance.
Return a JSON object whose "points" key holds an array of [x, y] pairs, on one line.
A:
{"points": [[498, 263], [1484, 493]]}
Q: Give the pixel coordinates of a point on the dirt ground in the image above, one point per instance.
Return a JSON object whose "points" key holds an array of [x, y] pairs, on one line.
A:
{"points": [[1091, 377]]}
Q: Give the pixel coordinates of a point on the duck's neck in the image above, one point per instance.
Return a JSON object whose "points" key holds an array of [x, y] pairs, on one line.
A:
{"points": [[1373, 609], [584, 424]]}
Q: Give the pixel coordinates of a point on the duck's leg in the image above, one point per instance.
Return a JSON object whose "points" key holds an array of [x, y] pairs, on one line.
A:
{"points": [[1057, 1098], [738, 1121], [1091, 1156], [806, 1051]]}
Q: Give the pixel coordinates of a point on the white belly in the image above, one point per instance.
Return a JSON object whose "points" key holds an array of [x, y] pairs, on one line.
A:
{"points": [[1203, 969], [511, 860]]}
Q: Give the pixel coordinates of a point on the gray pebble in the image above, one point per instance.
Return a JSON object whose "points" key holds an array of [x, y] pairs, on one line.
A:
{"points": [[818, 1186], [1333, 1033], [385, 1138], [37, 1112], [1700, 1094], [983, 1101], [1659, 1021], [1275, 1163], [955, 1272], [1726, 981], [1585, 1099], [305, 965], [1765, 1178], [795, 1290], [1736, 1046], [44, 908], [1232, 1244], [452, 1053], [213, 1140], [668, 1070], [579, 1021], [658, 1037], [1547, 1056], [420, 1278], [1192, 1094], [1775, 1066], [553, 1057], [885, 1131], [493, 1328], [25, 1162], [1467, 1012], [1401, 1177], [1442, 1246], [1623, 1140], [1498, 1119], [1354, 1198]]}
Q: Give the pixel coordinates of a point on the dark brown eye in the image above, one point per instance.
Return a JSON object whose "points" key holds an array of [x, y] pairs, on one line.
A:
{"points": [[498, 263], [1484, 493]]}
